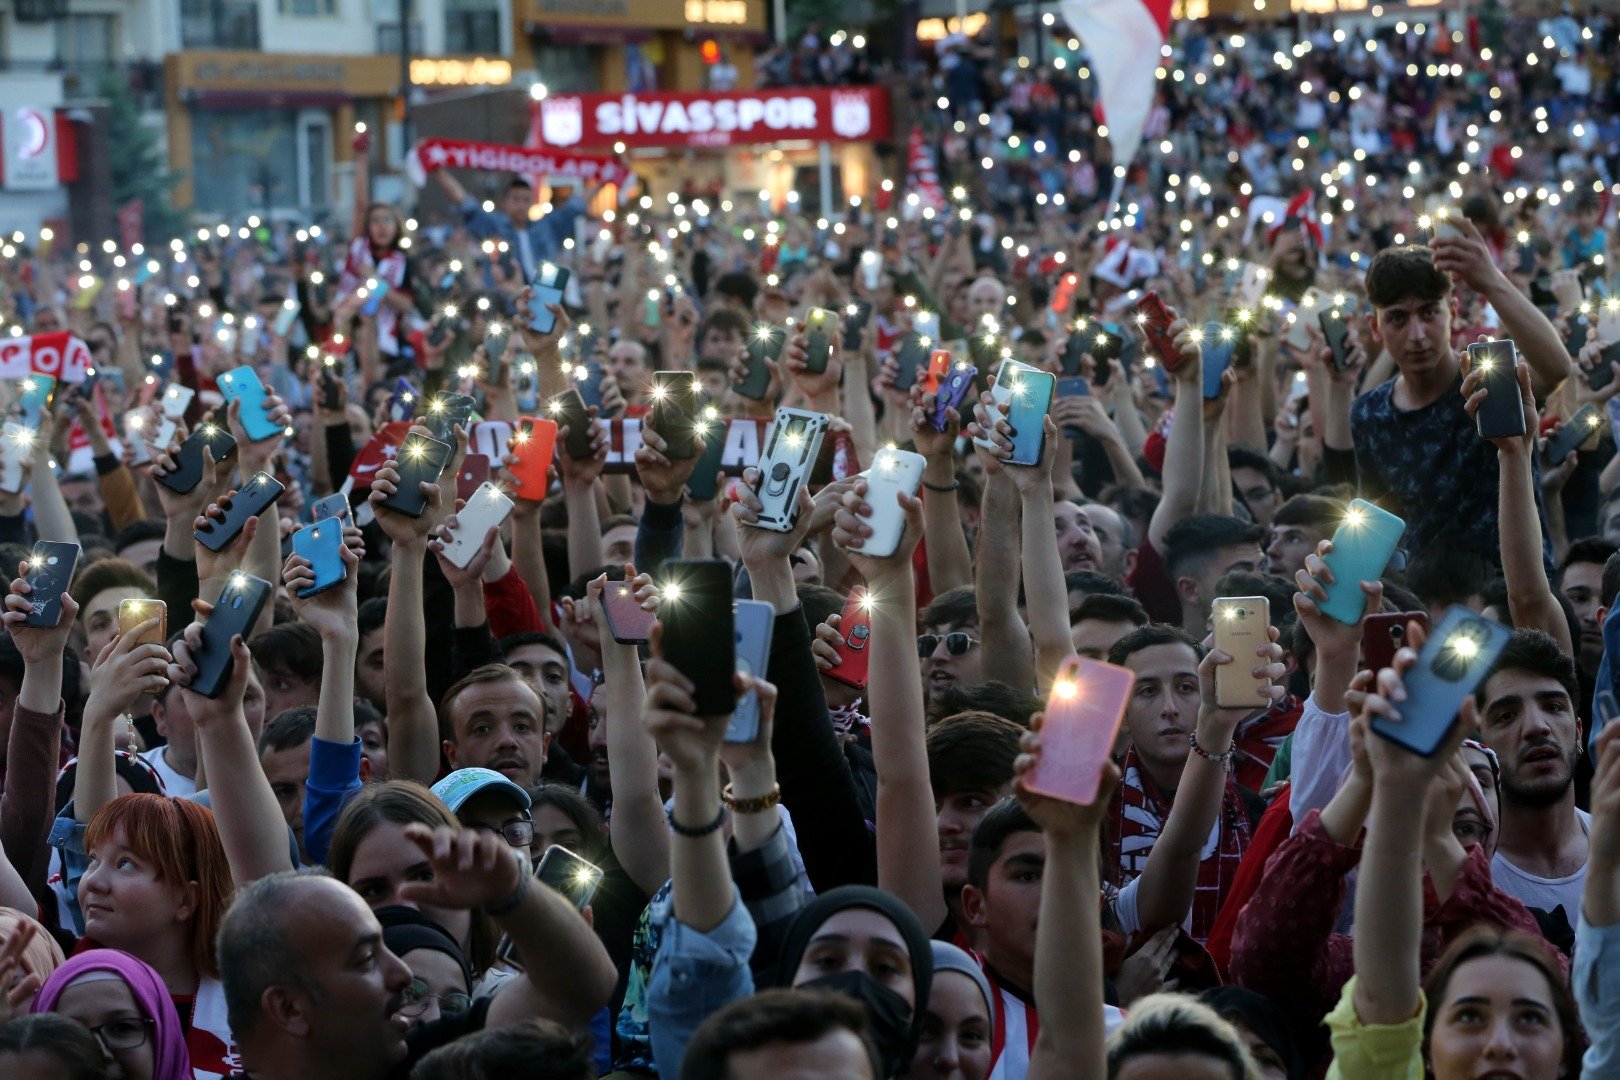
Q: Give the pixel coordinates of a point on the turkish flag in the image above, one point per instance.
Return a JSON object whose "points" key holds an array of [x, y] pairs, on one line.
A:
{"points": [[1123, 39], [384, 445]]}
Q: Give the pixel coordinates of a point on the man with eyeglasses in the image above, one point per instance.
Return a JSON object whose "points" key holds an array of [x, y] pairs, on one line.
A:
{"points": [[484, 800], [949, 643]]}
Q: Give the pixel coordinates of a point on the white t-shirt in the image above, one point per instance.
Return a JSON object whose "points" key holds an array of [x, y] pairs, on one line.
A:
{"points": [[175, 785], [1539, 893]]}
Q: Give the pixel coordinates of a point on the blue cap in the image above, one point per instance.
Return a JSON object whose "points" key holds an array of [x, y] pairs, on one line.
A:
{"points": [[459, 786]]}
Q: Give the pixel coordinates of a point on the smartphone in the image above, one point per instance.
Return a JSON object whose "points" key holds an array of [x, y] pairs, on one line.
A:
{"points": [[176, 400], [331, 385], [421, 461], [567, 410], [1602, 375], [135, 423], [1030, 394], [1572, 432], [335, 505], [16, 447], [1501, 415], [488, 508], [474, 472], [764, 345], [893, 472], [50, 571], [494, 350], [676, 412], [1336, 332], [1362, 547], [533, 444], [239, 605], [255, 496], [627, 620], [589, 385], [378, 288], [1452, 663], [286, 317], [1219, 346], [322, 544], [753, 622], [791, 447], [698, 625], [818, 328], [952, 393], [855, 627], [446, 413], [856, 317], [940, 362], [1241, 624], [188, 464], [575, 877], [37, 394], [1383, 634], [550, 282], [704, 483], [1154, 317], [131, 613], [910, 359], [242, 384], [1083, 715]]}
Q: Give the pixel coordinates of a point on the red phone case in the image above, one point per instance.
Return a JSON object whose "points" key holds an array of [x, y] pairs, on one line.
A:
{"points": [[1384, 633], [1083, 715], [1156, 319], [856, 629], [474, 471], [628, 621], [533, 445], [939, 369]]}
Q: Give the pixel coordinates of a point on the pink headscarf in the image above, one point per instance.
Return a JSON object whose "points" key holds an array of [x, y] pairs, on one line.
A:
{"points": [[170, 1060]]}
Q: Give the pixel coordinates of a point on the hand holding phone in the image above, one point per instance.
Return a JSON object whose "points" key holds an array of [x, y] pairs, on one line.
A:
{"points": [[1083, 715], [50, 572], [699, 637], [133, 613]]}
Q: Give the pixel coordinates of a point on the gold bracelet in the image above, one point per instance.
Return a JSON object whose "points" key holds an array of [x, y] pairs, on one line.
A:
{"points": [[756, 805]]}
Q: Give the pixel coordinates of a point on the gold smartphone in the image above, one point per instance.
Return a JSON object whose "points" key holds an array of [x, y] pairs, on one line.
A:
{"points": [[131, 613], [1241, 625]]}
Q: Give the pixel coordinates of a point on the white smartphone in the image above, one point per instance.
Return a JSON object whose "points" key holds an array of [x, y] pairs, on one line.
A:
{"points": [[892, 472], [162, 433], [16, 443], [1310, 306], [791, 448], [135, 425], [486, 509], [1000, 394], [926, 324], [176, 399]]}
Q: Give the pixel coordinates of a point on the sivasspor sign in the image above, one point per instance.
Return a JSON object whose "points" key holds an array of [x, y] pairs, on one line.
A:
{"points": [[852, 113], [62, 356]]}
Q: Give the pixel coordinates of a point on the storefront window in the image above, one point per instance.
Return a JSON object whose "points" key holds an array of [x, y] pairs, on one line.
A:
{"points": [[253, 160]]}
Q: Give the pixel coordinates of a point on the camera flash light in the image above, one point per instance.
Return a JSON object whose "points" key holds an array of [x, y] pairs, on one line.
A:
{"points": [[1065, 690]]}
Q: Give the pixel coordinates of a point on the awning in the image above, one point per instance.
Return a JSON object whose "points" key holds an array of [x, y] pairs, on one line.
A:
{"points": [[266, 99]]}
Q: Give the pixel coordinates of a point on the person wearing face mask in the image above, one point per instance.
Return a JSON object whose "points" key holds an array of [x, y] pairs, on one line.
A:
{"points": [[127, 1007], [959, 1024]]}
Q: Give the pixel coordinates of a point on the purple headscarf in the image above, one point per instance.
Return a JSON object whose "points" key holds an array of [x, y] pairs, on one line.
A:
{"points": [[170, 1060]]}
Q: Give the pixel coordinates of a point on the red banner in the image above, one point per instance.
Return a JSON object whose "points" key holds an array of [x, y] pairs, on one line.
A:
{"points": [[433, 154], [60, 355], [716, 118]]}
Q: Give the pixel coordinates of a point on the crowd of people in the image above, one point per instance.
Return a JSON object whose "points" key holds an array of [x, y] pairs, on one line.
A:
{"points": [[458, 801]]}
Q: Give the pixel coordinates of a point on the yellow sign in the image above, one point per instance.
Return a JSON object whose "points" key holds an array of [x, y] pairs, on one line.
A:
{"points": [[717, 12], [937, 29], [450, 72]]}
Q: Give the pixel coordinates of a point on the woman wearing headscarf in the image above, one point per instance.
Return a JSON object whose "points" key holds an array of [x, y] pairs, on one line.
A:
{"points": [[127, 1007], [958, 1033]]}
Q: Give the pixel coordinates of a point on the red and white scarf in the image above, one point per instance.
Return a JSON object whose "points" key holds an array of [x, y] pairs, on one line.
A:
{"points": [[363, 263], [1140, 811]]}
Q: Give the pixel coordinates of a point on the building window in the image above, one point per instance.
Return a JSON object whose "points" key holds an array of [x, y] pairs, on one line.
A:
{"points": [[87, 42], [388, 38], [472, 26], [307, 8], [219, 24]]}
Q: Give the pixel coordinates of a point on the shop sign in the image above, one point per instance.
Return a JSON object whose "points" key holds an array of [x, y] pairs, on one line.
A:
{"points": [[846, 114], [30, 148], [445, 71]]}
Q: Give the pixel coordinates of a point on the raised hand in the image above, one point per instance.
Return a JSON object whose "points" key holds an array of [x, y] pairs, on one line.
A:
{"points": [[472, 868]]}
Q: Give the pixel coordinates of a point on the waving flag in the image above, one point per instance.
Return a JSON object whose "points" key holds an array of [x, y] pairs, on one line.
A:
{"points": [[1123, 39], [921, 176]]}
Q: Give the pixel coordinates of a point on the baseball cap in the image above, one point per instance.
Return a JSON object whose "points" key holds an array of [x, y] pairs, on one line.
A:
{"points": [[461, 785]]}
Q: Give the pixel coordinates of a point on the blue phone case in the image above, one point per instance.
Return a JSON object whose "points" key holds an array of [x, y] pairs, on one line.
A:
{"points": [[374, 298], [322, 544], [1442, 678], [753, 622], [242, 384], [34, 400], [1218, 352], [1362, 547], [1026, 414]]}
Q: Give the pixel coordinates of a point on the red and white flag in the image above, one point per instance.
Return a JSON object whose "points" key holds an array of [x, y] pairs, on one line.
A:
{"points": [[1123, 40], [432, 154], [60, 355], [922, 177]]}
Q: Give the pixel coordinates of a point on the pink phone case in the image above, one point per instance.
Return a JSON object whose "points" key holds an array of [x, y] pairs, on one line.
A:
{"points": [[1083, 714]]}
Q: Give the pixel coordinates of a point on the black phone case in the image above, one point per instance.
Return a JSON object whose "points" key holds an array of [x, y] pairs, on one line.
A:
{"points": [[1336, 332], [415, 470], [1574, 431], [673, 414], [855, 324], [442, 423], [757, 382], [910, 360], [699, 638], [1501, 415], [817, 349], [568, 409], [254, 497], [1602, 375], [238, 608], [50, 579], [188, 464]]}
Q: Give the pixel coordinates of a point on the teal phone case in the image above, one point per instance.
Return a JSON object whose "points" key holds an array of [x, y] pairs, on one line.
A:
{"points": [[1026, 414], [1362, 547], [1442, 678]]}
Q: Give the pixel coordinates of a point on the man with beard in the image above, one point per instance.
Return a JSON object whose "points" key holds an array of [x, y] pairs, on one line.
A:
{"points": [[1078, 545], [1528, 717], [1116, 539], [493, 719]]}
